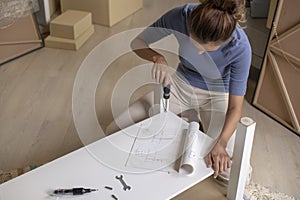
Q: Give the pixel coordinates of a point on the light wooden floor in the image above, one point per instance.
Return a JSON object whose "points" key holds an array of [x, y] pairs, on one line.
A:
{"points": [[36, 123]]}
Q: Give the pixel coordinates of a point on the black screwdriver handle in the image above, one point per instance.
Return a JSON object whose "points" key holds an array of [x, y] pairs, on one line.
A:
{"points": [[74, 191], [167, 91]]}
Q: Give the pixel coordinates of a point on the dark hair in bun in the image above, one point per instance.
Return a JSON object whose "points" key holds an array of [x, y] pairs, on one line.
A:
{"points": [[215, 20]]}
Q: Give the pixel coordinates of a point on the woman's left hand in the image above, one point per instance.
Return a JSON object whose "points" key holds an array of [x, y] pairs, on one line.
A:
{"points": [[218, 158]]}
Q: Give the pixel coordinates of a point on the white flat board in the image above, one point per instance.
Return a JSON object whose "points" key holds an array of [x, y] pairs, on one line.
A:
{"points": [[97, 165]]}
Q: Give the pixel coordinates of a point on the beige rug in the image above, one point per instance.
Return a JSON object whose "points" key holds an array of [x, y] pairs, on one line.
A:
{"points": [[256, 191]]}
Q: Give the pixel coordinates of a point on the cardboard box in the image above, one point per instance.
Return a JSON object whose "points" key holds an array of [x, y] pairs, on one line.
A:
{"points": [[70, 24], [53, 6], [62, 43], [104, 12]]}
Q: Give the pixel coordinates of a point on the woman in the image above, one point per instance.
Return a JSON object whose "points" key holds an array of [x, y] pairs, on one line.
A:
{"points": [[215, 92]]}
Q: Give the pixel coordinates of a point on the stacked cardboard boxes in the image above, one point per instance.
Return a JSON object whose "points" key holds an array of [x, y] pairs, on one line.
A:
{"points": [[104, 12], [70, 30]]}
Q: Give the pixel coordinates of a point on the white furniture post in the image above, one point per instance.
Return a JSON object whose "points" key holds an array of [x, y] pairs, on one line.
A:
{"points": [[241, 158]]}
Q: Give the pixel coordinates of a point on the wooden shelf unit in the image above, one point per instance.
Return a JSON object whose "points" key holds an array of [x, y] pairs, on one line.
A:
{"points": [[277, 93]]}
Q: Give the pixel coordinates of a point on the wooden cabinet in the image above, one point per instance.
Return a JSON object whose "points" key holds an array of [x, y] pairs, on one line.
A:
{"points": [[278, 90]]}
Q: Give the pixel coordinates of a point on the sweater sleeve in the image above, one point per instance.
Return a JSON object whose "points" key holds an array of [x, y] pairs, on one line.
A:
{"points": [[240, 70], [164, 26]]}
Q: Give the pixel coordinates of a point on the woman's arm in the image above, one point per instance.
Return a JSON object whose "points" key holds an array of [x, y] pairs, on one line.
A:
{"points": [[160, 70], [142, 49], [218, 158]]}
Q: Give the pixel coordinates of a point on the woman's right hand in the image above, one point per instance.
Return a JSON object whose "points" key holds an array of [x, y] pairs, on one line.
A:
{"points": [[160, 71]]}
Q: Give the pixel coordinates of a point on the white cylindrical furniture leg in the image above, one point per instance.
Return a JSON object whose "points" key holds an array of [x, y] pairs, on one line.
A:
{"points": [[241, 158]]}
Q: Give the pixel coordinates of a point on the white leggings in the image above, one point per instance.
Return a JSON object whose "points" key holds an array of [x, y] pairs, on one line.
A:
{"points": [[208, 108]]}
